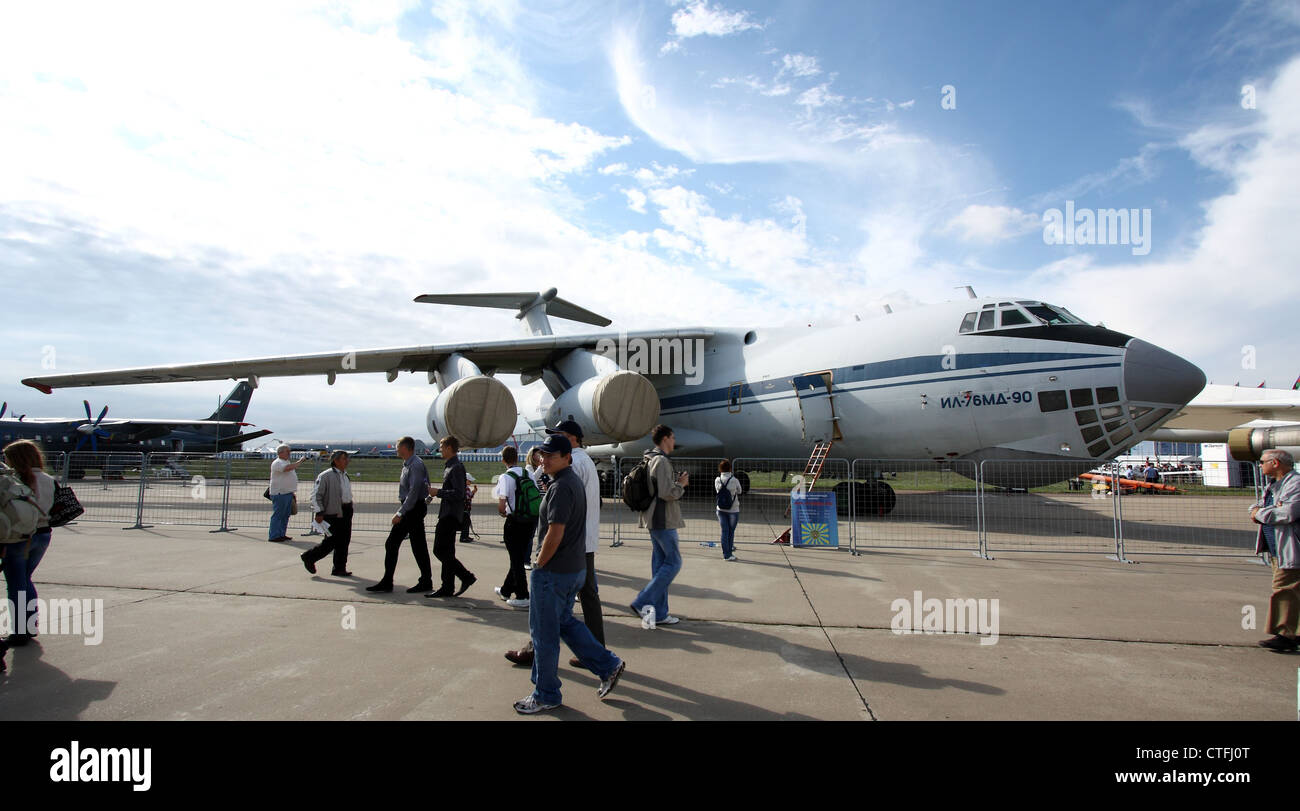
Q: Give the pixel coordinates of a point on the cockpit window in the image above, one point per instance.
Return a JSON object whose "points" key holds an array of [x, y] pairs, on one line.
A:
{"points": [[968, 323], [986, 320], [1012, 318], [1053, 316]]}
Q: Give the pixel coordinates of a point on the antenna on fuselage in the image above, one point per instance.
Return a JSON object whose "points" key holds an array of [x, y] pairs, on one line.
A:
{"points": [[970, 291]]}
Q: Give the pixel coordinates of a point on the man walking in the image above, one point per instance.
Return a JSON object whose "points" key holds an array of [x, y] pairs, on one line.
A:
{"points": [[451, 517], [408, 521], [1279, 533], [663, 518], [589, 594], [283, 490], [331, 501], [557, 578], [516, 495]]}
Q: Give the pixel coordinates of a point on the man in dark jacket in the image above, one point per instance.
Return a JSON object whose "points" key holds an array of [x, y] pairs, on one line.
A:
{"points": [[451, 515], [408, 521]]}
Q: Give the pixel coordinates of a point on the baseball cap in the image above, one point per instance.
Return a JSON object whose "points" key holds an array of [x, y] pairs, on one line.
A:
{"points": [[567, 427], [556, 443]]}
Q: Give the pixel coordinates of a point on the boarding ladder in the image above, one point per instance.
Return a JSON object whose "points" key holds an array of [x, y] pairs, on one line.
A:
{"points": [[811, 472]]}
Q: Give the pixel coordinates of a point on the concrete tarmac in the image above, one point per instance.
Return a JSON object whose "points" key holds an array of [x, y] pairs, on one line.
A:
{"points": [[200, 625]]}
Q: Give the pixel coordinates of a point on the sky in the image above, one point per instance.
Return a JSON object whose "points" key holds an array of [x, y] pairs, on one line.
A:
{"points": [[181, 183]]}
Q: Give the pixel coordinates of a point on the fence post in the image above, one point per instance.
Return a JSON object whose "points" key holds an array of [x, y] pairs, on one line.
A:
{"points": [[225, 502], [1118, 509], [853, 508], [139, 501], [981, 521], [66, 468]]}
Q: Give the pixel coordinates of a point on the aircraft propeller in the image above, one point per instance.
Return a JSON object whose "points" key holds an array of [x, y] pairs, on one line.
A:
{"points": [[90, 431]]}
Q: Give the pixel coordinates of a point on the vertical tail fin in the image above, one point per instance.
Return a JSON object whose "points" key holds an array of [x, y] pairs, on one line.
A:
{"points": [[235, 406]]}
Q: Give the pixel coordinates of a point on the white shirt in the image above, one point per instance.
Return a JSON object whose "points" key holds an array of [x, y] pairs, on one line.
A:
{"points": [[283, 481], [506, 487], [586, 470]]}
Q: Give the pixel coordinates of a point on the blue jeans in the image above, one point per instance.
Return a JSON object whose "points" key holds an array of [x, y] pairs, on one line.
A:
{"points": [[550, 619], [21, 559], [281, 503], [665, 563], [728, 523]]}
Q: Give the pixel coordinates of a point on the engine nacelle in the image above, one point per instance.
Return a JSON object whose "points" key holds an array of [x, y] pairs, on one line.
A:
{"points": [[479, 411], [612, 407]]}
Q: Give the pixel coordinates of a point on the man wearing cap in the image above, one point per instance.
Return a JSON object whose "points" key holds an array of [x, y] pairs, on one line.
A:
{"points": [[331, 501], [557, 578], [589, 595]]}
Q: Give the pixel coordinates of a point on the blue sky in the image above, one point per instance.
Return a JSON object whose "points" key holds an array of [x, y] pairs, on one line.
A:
{"points": [[181, 186]]}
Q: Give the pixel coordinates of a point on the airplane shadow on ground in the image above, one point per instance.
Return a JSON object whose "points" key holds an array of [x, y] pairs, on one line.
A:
{"points": [[32, 690]]}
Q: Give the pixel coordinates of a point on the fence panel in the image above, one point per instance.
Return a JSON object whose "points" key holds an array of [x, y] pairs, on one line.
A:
{"points": [[914, 504], [765, 505], [1041, 506], [107, 484], [1183, 516], [184, 488]]}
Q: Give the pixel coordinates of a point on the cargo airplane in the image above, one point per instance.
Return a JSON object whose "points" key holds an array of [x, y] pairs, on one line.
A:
{"points": [[994, 380]]}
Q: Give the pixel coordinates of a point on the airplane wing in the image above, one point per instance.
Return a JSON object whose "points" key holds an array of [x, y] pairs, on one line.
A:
{"points": [[510, 357], [1221, 408]]}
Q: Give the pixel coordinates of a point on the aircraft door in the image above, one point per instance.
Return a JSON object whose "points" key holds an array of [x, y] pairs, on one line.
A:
{"points": [[817, 407]]}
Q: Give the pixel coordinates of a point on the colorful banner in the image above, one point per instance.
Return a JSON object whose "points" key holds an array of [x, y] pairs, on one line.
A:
{"points": [[813, 520]]}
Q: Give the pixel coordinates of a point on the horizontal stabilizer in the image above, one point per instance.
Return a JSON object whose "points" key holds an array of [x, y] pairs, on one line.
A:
{"points": [[520, 302]]}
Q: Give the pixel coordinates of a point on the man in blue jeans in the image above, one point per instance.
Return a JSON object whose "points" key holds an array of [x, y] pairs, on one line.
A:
{"points": [[663, 519], [284, 485], [560, 571]]}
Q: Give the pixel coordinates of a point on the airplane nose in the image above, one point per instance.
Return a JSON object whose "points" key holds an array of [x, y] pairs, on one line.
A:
{"points": [[1152, 375]]}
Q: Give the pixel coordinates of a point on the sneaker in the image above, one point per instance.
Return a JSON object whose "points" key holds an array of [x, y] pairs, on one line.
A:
{"points": [[607, 683], [529, 705], [648, 617], [497, 589], [669, 620], [518, 603], [528, 567], [1278, 643], [731, 558], [615, 544]]}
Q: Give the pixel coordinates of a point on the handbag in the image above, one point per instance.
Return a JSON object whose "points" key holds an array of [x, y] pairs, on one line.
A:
{"points": [[266, 494], [66, 507]]}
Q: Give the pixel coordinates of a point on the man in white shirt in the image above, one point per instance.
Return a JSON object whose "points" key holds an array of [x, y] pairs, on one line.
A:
{"points": [[518, 531], [284, 486]]}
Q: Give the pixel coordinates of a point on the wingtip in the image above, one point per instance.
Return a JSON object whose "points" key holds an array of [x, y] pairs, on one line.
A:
{"points": [[41, 387]]}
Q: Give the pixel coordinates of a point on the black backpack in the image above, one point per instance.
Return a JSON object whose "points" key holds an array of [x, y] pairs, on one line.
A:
{"points": [[637, 493], [725, 497]]}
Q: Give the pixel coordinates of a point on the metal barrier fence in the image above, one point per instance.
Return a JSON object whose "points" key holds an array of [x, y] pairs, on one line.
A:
{"points": [[996, 506]]}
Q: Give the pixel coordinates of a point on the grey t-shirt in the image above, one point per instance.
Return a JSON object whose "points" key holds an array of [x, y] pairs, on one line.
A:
{"points": [[565, 503]]}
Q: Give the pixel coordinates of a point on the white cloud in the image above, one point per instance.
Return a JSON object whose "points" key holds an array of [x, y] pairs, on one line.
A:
{"points": [[614, 169], [818, 96], [699, 18], [979, 223], [799, 65], [635, 200]]}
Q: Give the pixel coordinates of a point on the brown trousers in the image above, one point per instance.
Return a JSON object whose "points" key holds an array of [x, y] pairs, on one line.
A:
{"points": [[1284, 604]]}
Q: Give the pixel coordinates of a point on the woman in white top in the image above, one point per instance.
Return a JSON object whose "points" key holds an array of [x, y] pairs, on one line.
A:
{"points": [[21, 559], [729, 515]]}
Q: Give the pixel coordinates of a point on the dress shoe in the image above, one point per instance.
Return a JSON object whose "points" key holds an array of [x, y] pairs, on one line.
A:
{"points": [[17, 640], [1278, 643], [423, 585], [466, 583], [337, 573], [441, 593], [523, 658], [306, 562], [281, 539], [380, 586], [575, 662]]}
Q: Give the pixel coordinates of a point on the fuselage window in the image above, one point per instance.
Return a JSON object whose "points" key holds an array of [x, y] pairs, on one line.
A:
{"points": [[1051, 401], [986, 320], [968, 323]]}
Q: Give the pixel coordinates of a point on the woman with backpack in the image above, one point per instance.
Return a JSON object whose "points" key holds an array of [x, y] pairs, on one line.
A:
{"points": [[22, 558], [728, 489]]}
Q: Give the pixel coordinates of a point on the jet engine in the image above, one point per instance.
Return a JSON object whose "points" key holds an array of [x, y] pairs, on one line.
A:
{"points": [[476, 409], [611, 404]]}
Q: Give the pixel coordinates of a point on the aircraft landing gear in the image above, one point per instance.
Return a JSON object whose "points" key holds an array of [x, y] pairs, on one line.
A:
{"points": [[872, 497]]}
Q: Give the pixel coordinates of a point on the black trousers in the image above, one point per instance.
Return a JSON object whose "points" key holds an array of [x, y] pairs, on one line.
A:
{"points": [[589, 596], [412, 524], [444, 549], [337, 541], [519, 538]]}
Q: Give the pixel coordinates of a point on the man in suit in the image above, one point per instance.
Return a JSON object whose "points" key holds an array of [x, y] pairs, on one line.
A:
{"points": [[451, 517], [408, 521]]}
